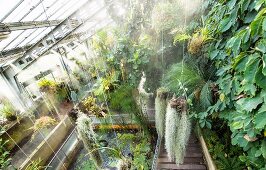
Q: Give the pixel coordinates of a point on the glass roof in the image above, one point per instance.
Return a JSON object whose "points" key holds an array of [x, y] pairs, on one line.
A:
{"points": [[26, 11]]}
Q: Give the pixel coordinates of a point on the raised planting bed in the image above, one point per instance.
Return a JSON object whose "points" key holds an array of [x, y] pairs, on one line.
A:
{"points": [[18, 131], [50, 144], [130, 144]]}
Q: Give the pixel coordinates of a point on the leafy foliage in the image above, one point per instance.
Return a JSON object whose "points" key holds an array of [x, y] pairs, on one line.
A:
{"points": [[35, 165], [238, 27], [4, 155], [122, 100]]}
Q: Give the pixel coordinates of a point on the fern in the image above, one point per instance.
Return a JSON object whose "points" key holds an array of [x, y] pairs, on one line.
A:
{"points": [[171, 122], [87, 135], [181, 75], [160, 110], [229, 163]]}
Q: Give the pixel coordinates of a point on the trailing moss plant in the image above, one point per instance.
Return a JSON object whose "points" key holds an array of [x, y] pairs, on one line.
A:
{"points": [[177, 129], [172, 120], [160, 110], [88, 136], [184, 129]]}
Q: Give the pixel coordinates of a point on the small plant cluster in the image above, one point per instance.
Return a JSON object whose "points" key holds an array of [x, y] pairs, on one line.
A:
{"points": [[43, 122], [59, 91], [8, 111], [47, 86], [35, 165], [89, 106]]}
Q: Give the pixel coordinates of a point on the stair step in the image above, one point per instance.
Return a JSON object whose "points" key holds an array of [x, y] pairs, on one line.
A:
{"points": [[164, 160], [179, 167], [189, 155]]}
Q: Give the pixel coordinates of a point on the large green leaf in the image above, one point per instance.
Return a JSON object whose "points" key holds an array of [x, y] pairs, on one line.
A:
{"points": [[263, 149], [260, 120], [261, 46], [238, 125], [260, 79], [255, 26], [250, 104], [264, 24], [251, 67], [225, 24], [264, 64]]}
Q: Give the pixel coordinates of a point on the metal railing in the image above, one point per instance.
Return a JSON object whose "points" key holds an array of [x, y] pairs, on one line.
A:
{"points": [[156, 153]]}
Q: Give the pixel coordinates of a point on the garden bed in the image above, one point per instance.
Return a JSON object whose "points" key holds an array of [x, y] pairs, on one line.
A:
{"points": [[131, 143]]}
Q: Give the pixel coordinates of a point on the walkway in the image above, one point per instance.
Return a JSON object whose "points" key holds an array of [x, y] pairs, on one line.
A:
{"points": [[193, 158]]}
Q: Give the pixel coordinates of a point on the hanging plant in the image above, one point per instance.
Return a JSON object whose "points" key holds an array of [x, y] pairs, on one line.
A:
{"points": [[160, 110], [171, 123], [87, 135], [177, 129], [124, 164]]}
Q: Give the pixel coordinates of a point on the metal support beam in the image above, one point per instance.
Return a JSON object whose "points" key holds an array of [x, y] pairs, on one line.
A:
{"points": [[14, 26], [64, 29]]}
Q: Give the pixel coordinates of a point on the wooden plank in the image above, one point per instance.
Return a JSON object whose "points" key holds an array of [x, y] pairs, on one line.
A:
{"points": [[181, 167], [186, 160], [189, 155]]}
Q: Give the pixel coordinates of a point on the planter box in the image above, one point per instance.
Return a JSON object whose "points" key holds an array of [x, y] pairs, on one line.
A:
{"points": [[51, 143], [17, 132]]}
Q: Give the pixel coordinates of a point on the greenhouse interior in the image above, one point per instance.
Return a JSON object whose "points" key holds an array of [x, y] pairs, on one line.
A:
{"points": [[133, 84]]}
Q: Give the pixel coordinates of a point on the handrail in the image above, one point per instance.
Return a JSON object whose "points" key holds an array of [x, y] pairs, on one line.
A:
{"points": [[156, 153]]}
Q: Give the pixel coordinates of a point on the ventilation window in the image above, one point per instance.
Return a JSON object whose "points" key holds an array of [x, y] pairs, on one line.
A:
{"points": [[20, 62], [29, 59]]}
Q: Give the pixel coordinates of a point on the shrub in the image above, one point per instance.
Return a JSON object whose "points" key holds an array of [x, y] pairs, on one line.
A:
{"points": [[122, 100]]}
